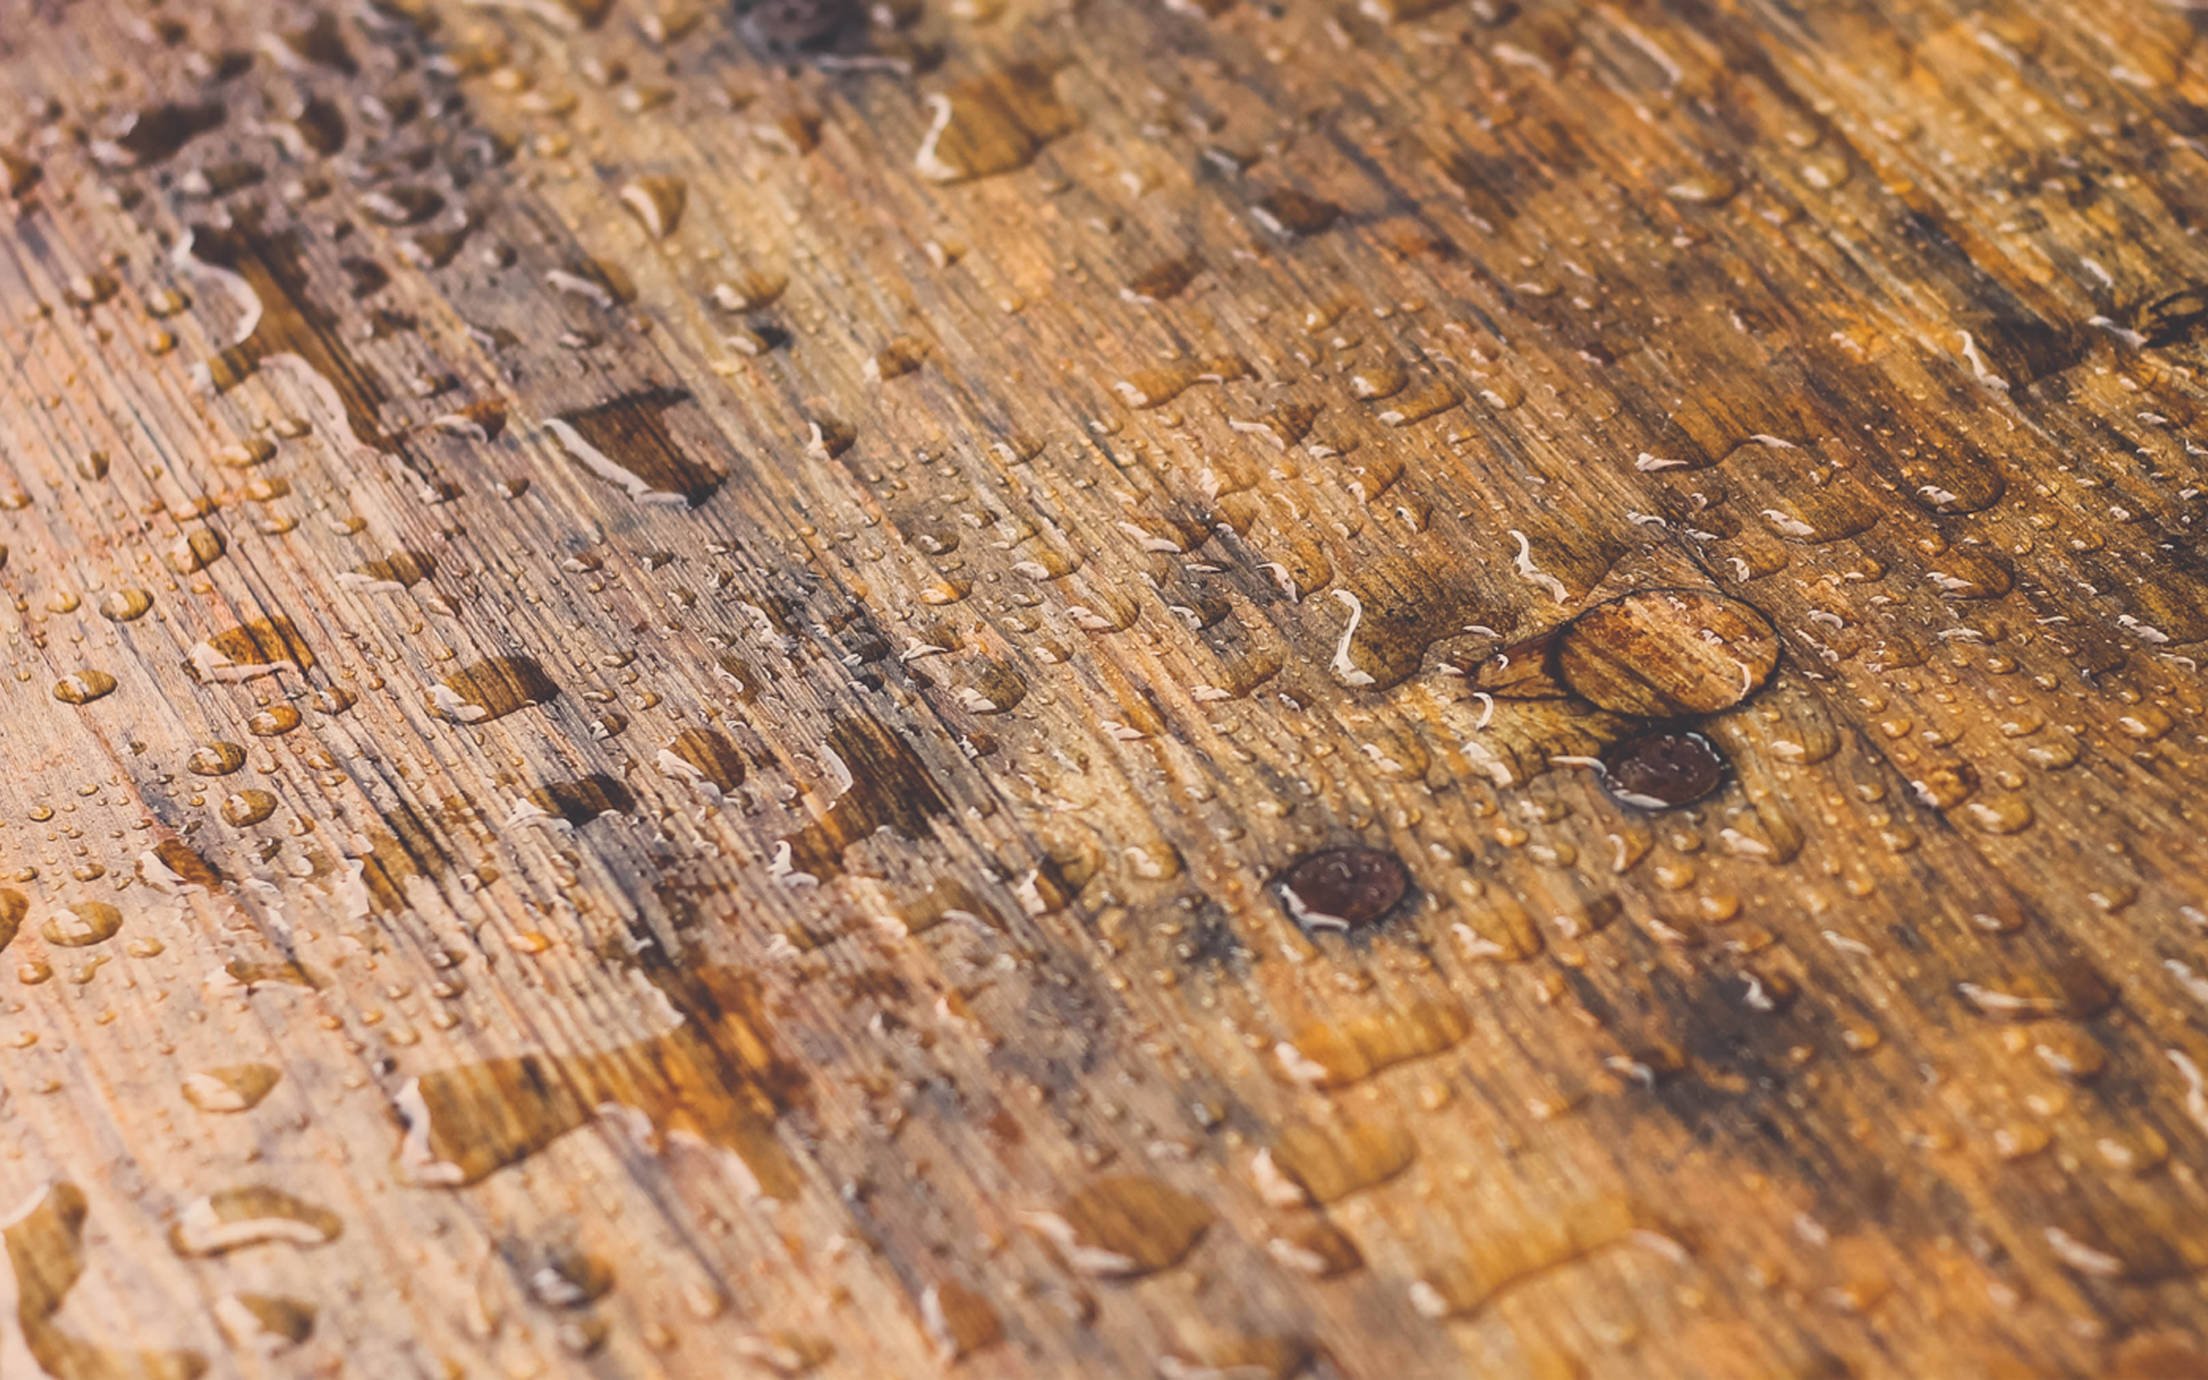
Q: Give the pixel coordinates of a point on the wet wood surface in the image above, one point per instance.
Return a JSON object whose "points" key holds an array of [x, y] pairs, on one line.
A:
{"points": [[1041, 687]]}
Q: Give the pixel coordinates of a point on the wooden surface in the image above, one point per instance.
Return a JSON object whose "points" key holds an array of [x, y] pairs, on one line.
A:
{"points": [[1103, 687]]}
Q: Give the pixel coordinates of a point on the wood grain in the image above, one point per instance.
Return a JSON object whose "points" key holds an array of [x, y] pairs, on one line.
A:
{"points": [[1040, 687]]}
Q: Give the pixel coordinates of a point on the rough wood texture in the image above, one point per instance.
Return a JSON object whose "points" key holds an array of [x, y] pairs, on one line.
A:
{"points": [[1061, 687]]}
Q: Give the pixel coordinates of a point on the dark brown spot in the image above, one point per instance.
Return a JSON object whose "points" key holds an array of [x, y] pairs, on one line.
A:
{"points": [[1343, 888], [1663, 769], [803, 26]]}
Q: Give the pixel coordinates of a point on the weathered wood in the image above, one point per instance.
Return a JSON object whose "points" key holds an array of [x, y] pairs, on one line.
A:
{"points": [[1456, 687]]}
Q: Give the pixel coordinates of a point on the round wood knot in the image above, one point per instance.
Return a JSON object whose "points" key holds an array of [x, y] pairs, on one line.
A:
{"points": [[1668, 653], [1663, 769], [1343, 888]]}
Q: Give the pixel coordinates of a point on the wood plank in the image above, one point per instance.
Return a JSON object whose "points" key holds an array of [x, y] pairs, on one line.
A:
{"points": [[1031, 688]]}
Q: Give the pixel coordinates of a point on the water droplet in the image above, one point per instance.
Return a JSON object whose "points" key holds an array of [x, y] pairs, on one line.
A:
{"points": [[1292, 214], [125, 605], [627, 442], [81, 925], [656, 202], [583, 800], [265, 1324], [1124, 1226], [231, 1088], [242, 809], [17, 174], [1316, 1248], [1501, 1262], [13, 907], [562, 1276], [1336, 1054], [263, 647], [1667, 653], [492, 689], [83, 687], [172, 865], [398, 571], [215, 759], [402, 205], [1312, 1163], [154, 134], [714, 1079], [232, 1219], [2071, 991], [705, 757], [785, 1353], [959, 1321], [991, 124], [45, 1250]]}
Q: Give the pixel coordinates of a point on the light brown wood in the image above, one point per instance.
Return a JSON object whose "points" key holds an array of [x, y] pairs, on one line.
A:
{"points": [[1034, 688]]}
